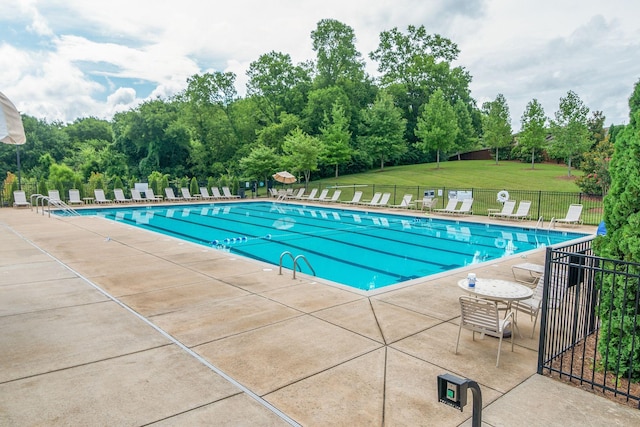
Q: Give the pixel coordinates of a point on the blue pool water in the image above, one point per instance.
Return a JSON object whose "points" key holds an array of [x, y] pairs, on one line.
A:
{"points": [[364, 250]]}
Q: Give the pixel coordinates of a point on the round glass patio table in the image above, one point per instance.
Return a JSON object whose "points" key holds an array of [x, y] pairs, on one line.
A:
{"points": [[497, 290]]}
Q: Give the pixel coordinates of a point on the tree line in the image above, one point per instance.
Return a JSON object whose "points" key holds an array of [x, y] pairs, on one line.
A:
{"points": [[316, 119]]}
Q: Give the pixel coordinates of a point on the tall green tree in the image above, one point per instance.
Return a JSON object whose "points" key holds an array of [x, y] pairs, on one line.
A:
{"points": [[413, 65], [302, 153], [260, 164], [569, 129], [595, 124], [466, 137], [336, 55], [382, 130], [209, 106], [533, 133], [320, 104], [437, 125], [618, 307], [336, 137], [497, 124], [154, 137], [278, 85], [87, 128]]}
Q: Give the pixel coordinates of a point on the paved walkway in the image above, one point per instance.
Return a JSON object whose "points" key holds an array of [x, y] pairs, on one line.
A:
{"points": [[105, 324]]}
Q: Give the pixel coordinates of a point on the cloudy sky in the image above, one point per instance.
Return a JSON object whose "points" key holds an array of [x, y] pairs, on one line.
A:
{"points": [[64, 59]]}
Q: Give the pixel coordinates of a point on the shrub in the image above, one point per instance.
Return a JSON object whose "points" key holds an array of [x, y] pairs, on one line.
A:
{"points": [[193, 186]]}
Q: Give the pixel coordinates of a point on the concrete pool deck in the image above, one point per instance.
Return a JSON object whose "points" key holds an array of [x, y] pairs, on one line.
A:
{"points": [[106, 324]]}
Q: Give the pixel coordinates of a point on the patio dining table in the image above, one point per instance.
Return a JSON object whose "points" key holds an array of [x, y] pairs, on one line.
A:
{"points": [[498, 290]]}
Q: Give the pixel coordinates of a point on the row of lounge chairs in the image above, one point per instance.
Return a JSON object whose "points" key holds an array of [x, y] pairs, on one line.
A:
{"points": [[507, 211], [378, 200], [137, 196]]}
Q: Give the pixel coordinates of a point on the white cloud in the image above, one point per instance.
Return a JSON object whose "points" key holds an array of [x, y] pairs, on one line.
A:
{"points": [[87, 58]]}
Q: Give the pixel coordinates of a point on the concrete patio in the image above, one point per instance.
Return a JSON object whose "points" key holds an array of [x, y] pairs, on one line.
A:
{"points": [[106, 324]]}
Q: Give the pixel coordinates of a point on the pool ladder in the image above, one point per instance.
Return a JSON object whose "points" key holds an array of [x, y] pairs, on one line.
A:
{"points": [[295, 262]]}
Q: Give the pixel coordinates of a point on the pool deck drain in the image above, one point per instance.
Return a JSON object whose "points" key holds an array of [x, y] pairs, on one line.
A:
{"points": [[317, 354]]}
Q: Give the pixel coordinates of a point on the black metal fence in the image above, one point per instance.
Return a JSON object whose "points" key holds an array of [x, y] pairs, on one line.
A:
{"points": [[570, 325], [544, 204]]}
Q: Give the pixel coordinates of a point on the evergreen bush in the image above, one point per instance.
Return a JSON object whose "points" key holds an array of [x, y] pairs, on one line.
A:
{"points": [[618, 306]]}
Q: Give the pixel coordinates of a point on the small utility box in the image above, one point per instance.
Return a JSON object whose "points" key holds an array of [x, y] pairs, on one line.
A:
{"points": [[452, 391]]}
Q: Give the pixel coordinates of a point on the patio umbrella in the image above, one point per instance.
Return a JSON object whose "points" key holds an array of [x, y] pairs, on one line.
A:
{"points": [[284, 177], [11, 129]]}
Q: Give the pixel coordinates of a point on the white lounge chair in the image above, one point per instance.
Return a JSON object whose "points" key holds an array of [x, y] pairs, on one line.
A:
{"points": [[227, 193], [100, 197], [451, 206], [335, 198], [507, 209], [374, 200], [136, 197], [20, 200], [215, 191], [479, 315], [322, 197], [119, 195], [405, 203], [204, 194], [522, 212], [573, 216], [311, 196], [171, 196], [384, 200], [54, 196], [151, 196], [187, 195], [297, 195], [74, 197], [356, 198], [465, 208]]}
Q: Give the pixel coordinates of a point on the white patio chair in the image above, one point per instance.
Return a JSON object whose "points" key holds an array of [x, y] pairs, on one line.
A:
{"points": [[532, 305], [480, 315]]}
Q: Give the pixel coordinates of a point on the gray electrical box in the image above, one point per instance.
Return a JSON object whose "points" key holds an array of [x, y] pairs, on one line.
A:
{"points": [[452, 391]]}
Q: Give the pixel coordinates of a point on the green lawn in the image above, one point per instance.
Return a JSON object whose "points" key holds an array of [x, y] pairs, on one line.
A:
{"points": [[547, 186], [468, 174]]}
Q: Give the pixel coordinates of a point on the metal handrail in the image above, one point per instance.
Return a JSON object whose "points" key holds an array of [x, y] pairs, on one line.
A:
{"points": [[56, 203], [282, 256], [295, 263], [31, 199]]}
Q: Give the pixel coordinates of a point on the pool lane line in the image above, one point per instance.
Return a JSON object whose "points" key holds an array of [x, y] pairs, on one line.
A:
{"points": [[237, 250]]}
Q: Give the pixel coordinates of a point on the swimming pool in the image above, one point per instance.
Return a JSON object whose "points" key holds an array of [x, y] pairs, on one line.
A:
{"points": [[361, 249]]}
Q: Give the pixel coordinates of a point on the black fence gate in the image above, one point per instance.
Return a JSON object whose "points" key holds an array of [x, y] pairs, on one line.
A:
{"points": [[570, 329]]}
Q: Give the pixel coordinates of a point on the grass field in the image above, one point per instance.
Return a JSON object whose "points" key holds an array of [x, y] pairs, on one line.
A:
{"points": [[547, 186], [468, 173]]}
